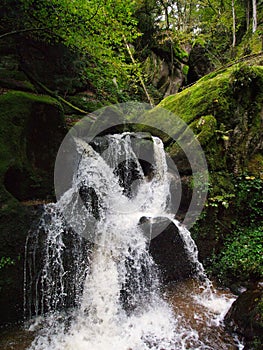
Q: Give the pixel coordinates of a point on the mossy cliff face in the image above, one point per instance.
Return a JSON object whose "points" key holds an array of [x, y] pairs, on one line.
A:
{"points": [[31, 130], [224, 110]]}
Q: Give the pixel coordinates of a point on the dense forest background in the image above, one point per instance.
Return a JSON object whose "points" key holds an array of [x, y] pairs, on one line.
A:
{"points": [[201, 59], [134, 49]]}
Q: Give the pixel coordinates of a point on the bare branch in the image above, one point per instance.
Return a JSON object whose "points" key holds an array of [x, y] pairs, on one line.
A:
{"points": [[15, 32]]}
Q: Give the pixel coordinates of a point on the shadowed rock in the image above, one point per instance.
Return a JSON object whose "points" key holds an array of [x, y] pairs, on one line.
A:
{"points": [[167, 249]]}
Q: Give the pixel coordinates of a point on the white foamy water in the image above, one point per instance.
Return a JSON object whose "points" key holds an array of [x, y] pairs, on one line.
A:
{"points": [[112, 294]]}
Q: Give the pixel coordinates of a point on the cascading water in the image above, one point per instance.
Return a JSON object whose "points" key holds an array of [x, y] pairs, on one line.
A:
{"points": [[106, 295]]}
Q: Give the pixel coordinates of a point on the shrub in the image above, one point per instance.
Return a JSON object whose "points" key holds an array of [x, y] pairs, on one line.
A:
{"points": [[242, 256]]}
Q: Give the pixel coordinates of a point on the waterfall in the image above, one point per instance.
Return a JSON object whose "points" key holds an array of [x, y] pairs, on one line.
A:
{"points": [[89, 277]]}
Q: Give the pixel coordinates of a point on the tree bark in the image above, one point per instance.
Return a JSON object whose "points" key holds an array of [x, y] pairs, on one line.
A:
{"points": [[247, 13], [165, 7], [254, 12], [234, 23]]}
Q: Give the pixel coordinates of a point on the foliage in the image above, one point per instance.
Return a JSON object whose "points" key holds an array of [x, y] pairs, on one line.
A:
{"points": [[95, 29], [217, 25], [249, 191], [99, 29], [147, 13], [241, 257], [6, 261]]}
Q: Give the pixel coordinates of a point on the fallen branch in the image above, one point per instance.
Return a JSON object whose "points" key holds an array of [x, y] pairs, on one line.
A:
{"points": [[14, 32]]}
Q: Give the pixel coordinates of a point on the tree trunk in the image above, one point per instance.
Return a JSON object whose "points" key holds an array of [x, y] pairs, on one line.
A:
{"points": [[166, 13], [254, 12], [247, 13], [234, 23]]}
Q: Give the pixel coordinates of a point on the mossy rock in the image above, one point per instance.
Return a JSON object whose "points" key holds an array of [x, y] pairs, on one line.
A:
{"points": [[11, 75], [251, 43], [14, 79], [224, 110]]}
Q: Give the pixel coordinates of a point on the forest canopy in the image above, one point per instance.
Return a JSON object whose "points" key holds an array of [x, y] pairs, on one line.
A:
{"points": [[102, 31]]}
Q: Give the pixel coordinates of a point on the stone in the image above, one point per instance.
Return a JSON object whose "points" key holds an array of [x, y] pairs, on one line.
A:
{"points": [[246, 316], [167, 249]]}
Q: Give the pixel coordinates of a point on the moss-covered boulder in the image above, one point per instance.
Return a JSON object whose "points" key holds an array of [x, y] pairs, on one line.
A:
{"points": [[31, 130], [224, 110]]}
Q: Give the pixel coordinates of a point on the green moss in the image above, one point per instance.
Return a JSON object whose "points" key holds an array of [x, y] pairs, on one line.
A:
{"points": [[204, 128], [251, 43], [215, 94], [233, 97], [206, 97], [185, 69]]}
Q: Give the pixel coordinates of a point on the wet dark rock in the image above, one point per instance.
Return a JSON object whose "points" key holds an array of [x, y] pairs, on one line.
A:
{"points": [[246, 316], [90, 200], [167, 249], [75, 257], [15, 222]]}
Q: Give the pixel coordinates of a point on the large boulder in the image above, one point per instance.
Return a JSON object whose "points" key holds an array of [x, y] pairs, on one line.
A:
{"points": [[166, 77], [246, 317], [32, 128], [168, 249]]}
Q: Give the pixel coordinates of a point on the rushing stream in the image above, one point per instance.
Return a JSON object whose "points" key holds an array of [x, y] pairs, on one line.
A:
{"points": [[90, 282]]}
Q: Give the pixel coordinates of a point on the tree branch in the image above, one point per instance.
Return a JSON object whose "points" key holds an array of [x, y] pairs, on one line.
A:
{"points": [[15, 32], [139, 75]]}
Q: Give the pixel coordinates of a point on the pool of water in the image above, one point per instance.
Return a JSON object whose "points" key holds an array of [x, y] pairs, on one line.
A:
{"points": [[203, 314], [15, 338]]}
